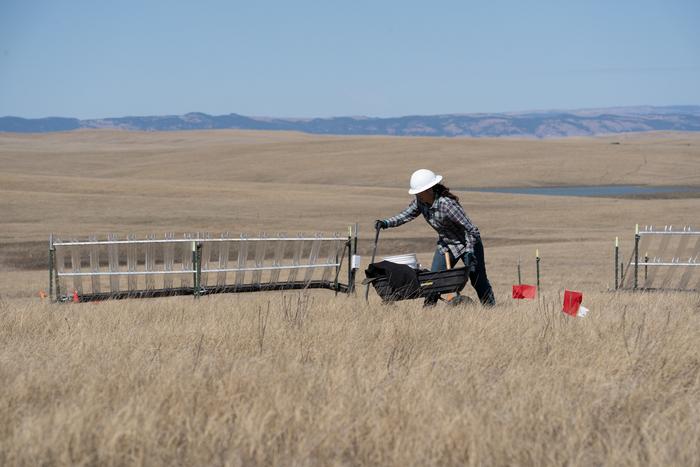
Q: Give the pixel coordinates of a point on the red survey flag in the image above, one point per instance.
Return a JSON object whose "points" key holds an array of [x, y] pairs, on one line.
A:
{"points": [[524, 291], [572, 303]]}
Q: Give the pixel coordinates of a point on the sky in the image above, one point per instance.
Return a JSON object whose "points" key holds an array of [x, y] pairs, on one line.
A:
{"points": [[92, 59]]}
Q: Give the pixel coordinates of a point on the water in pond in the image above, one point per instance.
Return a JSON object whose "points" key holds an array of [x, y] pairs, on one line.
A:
{"points": [[601, 191]]}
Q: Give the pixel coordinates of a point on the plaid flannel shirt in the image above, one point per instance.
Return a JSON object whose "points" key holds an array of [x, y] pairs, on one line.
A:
{"points": [[455, 231]]}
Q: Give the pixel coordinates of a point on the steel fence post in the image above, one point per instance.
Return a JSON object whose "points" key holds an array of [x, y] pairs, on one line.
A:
{"points": [[194, 270], [51, 272], [617, 260], [537, 260], [636, 256]]}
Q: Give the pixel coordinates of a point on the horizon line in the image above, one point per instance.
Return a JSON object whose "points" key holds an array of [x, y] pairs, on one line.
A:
{"points": [[252, 116]]}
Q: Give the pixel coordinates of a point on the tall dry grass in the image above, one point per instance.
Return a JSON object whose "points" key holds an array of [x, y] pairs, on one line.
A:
{"points": [[296, 379]]}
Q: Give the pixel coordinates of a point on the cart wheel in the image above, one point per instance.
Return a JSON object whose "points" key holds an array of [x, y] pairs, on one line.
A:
{"points": [[460, 300]]}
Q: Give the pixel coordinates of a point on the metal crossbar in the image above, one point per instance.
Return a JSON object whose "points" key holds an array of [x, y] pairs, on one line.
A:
{"points": [[151, 273], [668, 230], [132, 267], [190, 240]]}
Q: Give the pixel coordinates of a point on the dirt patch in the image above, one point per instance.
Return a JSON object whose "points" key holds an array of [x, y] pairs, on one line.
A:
{"points": [[24, 255]]}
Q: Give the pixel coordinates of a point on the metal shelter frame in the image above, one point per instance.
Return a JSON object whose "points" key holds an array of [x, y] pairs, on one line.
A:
{"points": [[658, 271], [198, 264]]}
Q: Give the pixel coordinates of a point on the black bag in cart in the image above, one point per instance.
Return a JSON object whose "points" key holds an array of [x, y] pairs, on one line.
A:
{"points": [[395, 282]]}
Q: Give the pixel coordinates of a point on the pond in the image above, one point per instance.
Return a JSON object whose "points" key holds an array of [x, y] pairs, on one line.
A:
{"points": [[600, 191]]}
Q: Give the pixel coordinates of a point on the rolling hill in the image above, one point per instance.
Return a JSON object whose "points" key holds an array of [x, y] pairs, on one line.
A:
{"points": [[534, 124]]}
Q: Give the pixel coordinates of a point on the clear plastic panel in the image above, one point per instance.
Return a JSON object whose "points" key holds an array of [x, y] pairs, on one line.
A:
{"points": [[113, 259], [224, 248], [296, 259], [186, 260], [278, 259], [205, 259], [75, 267], [690, 270], [681, 251], [242, 260], [259, 259], [168, 260], [150, 279], [313, 259], [131, 262], [95, 265]]}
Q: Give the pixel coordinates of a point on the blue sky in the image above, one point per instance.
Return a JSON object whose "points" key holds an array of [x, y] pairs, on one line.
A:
{"points": [[90, 59]]}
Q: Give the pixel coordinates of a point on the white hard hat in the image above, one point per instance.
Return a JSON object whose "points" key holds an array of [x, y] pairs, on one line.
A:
{"points": [[423, 179]]}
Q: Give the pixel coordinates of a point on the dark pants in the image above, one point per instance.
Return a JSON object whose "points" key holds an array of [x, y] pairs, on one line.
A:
{"points": [[477, 277]]}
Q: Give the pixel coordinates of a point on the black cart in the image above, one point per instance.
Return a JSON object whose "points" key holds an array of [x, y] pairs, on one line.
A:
{"points": [[395, 282]]}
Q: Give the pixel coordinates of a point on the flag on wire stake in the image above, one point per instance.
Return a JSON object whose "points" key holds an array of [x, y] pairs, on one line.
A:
{"points": [[524, 291], [572, 304]]}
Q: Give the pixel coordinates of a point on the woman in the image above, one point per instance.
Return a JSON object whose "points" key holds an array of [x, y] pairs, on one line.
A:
{"points": [[457, 236]]}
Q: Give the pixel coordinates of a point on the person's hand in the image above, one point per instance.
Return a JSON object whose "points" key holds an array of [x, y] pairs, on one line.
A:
{"points": [[380, 224], [470, 261]]}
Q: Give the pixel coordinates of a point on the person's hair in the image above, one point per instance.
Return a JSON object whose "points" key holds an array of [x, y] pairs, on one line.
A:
{"points": [[442, 190]]}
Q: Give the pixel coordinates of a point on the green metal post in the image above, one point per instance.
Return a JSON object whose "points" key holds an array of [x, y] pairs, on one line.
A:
{"points": [[351, 286], [337, 272], [56, 280], [194, 269], [636, 256], [51, 254], [198, 269], [537, 260], [354, 252], [617, 261]]}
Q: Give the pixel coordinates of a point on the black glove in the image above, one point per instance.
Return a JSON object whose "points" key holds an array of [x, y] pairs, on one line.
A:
{"points": [[470, 261], [380, 224]]}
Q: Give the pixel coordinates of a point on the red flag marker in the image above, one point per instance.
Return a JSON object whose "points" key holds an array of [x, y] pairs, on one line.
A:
{"points": [[524, 291], [572, 303]]}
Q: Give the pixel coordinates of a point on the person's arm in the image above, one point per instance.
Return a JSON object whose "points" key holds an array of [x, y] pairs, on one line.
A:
{"points": [[408, 214], [456, 214]]}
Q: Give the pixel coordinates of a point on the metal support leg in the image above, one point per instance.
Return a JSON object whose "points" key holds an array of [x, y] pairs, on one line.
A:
{"points": [[636, 260], [537, 261], [350, 281], [59, 267], [198, 269], [617, 262], [195, 289], [51, 271], [354, 253], [339, 261]]}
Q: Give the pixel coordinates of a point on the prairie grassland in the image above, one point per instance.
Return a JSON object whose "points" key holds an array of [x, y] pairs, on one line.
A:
{"points": [[313, 379]]}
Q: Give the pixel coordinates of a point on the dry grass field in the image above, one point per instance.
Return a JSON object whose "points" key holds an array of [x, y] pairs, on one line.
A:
{"points": [[314, 379]]}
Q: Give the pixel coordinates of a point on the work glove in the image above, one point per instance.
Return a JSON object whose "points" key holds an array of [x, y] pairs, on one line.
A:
{"points": [[380, 224], [470, 261]]}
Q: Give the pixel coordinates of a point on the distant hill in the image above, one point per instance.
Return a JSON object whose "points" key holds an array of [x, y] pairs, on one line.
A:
{"points": [[537, 124], [38, 125]]}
